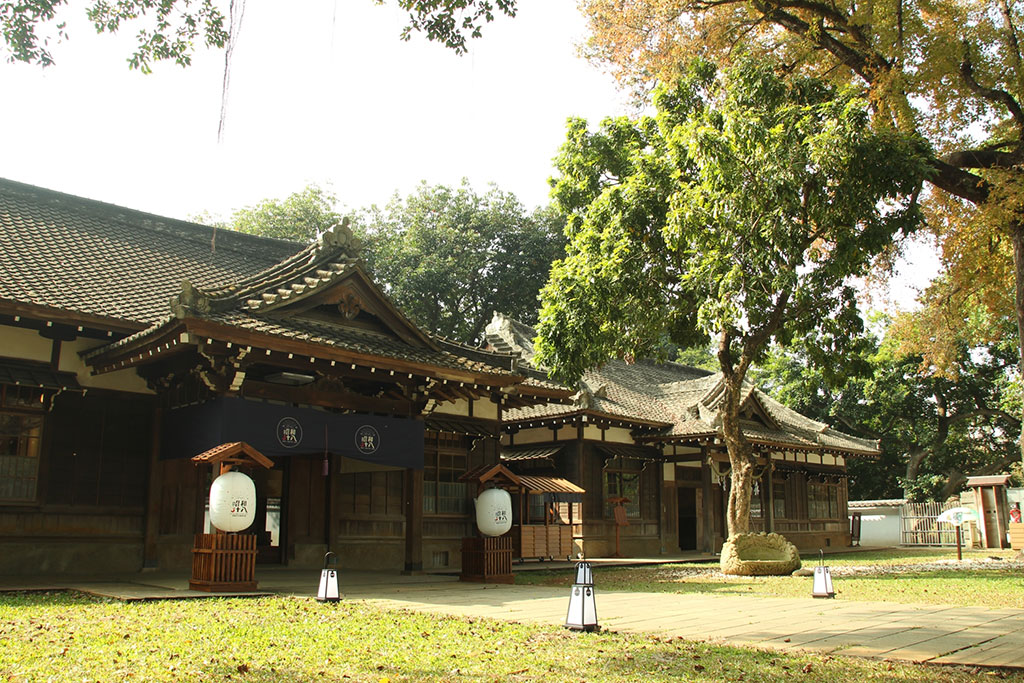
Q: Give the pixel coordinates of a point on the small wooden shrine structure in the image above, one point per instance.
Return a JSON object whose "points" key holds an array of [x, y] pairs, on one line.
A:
{"points": [[488, 559], [993, 508], [551, 536], [226, 561]]}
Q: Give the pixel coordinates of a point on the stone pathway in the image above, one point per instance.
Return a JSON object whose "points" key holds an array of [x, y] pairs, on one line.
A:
{"points": [[917, 633]]}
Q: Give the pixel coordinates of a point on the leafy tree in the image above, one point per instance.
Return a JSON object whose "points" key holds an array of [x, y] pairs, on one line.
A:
{"points": [[170, 29], [952, 72], [738, 213], [698, 357], [301, 216], [934, 430], [450, 257]]}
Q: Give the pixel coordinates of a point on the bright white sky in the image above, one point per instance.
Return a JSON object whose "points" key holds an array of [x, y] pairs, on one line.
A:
{"points": [[320, 92]]}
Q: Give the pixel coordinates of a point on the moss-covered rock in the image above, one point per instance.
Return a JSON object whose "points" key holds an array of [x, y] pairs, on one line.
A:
{"points": [[759, 555]]}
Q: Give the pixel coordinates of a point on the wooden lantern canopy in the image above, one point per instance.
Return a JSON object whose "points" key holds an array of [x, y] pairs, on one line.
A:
{"points": [[488, 559], [226, 561]]}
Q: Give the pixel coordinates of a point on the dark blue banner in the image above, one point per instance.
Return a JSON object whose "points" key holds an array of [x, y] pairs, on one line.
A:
{"points": [[276, 431]]}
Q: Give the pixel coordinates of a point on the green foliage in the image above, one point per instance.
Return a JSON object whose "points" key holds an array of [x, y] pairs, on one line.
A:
{"points": [[301, 216], [450, 257], [738, 213], [451, 22], [934, 429], [697, 357], [170, 29]]}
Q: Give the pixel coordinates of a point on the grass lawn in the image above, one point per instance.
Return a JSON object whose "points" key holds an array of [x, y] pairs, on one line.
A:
{"points": [[71, 637], [985, 587]]}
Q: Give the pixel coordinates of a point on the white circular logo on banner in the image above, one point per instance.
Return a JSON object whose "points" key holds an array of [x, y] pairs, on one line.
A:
{"points": [[289, 432], [367, 440]]}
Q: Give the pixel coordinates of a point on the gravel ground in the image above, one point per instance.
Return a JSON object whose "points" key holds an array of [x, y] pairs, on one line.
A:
{"points": [[1016, 562]]}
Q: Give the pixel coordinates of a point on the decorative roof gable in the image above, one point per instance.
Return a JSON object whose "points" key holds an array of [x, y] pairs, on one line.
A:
{"points": [[324, 283]]}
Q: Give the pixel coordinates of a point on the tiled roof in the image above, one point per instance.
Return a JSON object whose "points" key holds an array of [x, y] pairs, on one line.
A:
{"points": [[93, 258], [683, 399], [85, 256]]}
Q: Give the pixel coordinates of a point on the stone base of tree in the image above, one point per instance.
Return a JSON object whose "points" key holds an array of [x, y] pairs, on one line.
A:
{"points": [[759, 555]]}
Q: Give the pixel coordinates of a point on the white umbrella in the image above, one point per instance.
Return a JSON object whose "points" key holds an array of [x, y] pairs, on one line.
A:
{"points": [[957, 516]]}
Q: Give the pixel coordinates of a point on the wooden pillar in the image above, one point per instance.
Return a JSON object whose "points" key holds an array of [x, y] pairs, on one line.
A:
{"points": [[333, 498], [150, 554], [768, 511], [413, 520], [668, 529], [707, 504]]}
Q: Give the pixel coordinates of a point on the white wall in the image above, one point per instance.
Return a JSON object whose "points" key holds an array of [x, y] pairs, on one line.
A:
{"points": [[879, 525]]}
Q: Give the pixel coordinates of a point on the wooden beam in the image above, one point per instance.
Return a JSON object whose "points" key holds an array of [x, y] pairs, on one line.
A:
{"points": [[74, 318], [335, 399], [298, 347]]}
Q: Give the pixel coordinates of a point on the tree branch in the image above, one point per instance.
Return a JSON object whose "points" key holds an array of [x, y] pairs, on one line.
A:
{"points": [[959, 182], [994, 95], [983, 158]]}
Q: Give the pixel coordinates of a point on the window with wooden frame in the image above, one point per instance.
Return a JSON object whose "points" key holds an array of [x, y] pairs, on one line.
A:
{"points": [[445, 459], [779, 499], [822, 498], [622, 479], [21, 431]]}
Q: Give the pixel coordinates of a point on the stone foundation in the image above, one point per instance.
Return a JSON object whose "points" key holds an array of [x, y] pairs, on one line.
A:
{"points": [[759, 555]]}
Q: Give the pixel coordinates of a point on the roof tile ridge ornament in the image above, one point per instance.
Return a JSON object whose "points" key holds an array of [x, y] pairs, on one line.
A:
{"points": [[190, 301], [341, 238], [337, 243]]}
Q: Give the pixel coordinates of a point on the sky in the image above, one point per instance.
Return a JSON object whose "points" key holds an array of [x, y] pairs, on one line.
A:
{"points": [[321, 93]]}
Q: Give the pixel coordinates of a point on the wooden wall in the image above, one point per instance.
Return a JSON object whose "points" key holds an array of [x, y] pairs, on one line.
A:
{"points": [[93, 477]]}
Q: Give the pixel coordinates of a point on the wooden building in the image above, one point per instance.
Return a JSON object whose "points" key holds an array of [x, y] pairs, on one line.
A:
{"points": [[648, 432], [130, 342]]}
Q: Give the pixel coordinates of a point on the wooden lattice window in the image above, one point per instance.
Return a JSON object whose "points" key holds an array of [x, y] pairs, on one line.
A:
{"points": [[446, 458], [823, 499], [20, 439], [622, 479]]}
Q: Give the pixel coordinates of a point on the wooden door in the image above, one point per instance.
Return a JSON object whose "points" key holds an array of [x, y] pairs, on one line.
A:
{"points": [[687, 497]]}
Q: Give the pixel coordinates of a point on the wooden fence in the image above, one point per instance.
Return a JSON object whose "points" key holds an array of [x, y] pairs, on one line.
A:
{"points": [[919, 528]]}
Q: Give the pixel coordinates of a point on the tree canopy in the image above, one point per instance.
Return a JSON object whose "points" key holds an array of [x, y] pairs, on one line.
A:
{"points": [[171, 29], [301, 216], [450, 257], [738, 213], [934, 430], [950, 71]]}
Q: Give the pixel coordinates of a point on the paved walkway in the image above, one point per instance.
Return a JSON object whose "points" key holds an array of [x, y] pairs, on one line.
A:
{"points": [[919, 633]]}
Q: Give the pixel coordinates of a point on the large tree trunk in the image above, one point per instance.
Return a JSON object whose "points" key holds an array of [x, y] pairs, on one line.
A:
{"points": [[1018, 303], [741, 459]]}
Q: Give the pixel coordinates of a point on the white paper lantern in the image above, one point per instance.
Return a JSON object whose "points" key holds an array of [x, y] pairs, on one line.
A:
{"points": [[232, 502], [494, 512]]}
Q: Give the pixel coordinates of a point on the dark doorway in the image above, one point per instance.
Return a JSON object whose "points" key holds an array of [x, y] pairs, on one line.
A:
{"points": [[271, 523], [687, 518]]}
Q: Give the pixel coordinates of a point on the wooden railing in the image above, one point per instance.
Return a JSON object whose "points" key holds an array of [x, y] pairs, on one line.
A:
{"points": [[487, 560], [224, 562]]}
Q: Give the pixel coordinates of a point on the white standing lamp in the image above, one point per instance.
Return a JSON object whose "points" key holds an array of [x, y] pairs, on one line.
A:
{"points": [[822, 579], [582, 614]]}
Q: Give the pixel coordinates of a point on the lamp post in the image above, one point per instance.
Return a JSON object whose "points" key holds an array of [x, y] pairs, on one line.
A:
{"points": [[582, 614]]}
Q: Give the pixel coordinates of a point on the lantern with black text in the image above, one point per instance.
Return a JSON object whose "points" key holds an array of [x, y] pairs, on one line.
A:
{"points": [[494, 512], [822, 587], [328, 590], [582, 615], [232, 502]]}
